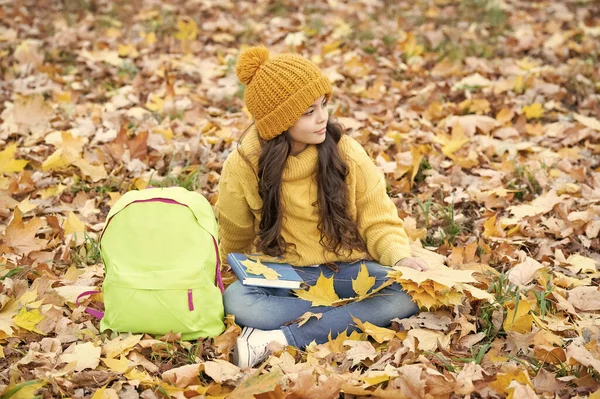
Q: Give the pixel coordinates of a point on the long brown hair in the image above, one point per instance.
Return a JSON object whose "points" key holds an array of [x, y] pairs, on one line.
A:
{"points": [[339, 233]]}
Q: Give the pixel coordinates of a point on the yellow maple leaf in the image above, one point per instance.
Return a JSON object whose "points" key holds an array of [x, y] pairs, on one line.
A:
{"points": [[490, 229], [337, 345], [259, 268], [376, 377], [320, 294], [7, 313], [411, 47], [441, 275], [417, 154], [26, 205], [363, 282], [119, 365], [503, 380], [155, 103], [24, 390], [28, 297], [56, 161], [379, 334], [29, 319], [438, 286], [95, 172], [138, 376], [518, 84], [518, 318], [69, 151], [454, 142], [74, 225], [187, 29], [127, 50], [533, 111], [329, 47], [120, 346], [99, 394], [149, 38], [52, 191], [8, 163]]}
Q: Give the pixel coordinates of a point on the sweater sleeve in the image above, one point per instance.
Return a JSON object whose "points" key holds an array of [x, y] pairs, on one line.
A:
{"points": [[234, 217], [378, 220]]}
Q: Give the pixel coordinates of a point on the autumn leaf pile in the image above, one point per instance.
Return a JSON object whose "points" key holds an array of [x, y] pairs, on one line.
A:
{"points": [[483, 115]]}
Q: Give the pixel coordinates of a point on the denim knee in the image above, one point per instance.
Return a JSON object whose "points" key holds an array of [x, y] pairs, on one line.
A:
{"points": [[251, 307], [398, 304]]}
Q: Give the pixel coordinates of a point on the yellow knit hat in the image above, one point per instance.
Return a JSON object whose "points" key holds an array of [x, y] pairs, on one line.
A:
{"points": [[279, 89]]}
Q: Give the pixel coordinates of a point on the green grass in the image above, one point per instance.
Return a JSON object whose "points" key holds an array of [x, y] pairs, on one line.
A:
{"points": [[503, 291], [524, 181], [423, 166], [442, 216], [188, 178], [108, 186], [86, 254]]}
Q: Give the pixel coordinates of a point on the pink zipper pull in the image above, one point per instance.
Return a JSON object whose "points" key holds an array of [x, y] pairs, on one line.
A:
{"points": [[190, 300]]}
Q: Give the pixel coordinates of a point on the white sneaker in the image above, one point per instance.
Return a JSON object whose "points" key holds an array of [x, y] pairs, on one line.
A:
{"points": [[252, 347]]}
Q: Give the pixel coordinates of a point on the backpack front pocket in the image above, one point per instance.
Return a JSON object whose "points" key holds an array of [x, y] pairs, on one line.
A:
{"points": [[158, 312]]}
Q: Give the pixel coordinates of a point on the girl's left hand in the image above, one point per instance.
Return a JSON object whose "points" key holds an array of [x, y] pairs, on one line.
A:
{"points": [[414, 263]]}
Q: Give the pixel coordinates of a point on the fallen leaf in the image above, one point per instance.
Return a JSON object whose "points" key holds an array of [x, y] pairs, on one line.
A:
{"points": [[587, 121], [585, 298], [28, 319], [379, 334], [222, 371], [24, 390], [257, 383], [7, 312], [430, 340], [518, 318], [522, 273], [74, 225], [306, 316], [86, 356], [359, 351], [183, 376], [120, 346], [8, 163], [20, 235], [320, 294], [363, 282], [258, 268], [533, 111], [119, 365]]}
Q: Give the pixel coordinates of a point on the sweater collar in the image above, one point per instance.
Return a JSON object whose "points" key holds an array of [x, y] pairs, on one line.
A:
{"points": [[296, 167]]}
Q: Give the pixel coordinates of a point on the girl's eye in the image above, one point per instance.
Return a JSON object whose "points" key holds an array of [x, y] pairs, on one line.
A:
{"points": [[311, 111]]}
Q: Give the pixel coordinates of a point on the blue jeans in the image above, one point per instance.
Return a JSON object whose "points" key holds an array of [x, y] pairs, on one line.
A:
{"points": [[271, 308]]}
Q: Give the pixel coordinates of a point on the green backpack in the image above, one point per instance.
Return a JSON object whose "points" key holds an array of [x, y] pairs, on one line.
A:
{"points": [[162, 267]]}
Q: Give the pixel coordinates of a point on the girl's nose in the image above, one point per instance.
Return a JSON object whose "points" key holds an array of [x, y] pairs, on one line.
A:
{"points": [[323, 114]]}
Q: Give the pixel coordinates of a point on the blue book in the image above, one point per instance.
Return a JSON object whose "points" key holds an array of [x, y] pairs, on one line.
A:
{"points": [[288, 278]]}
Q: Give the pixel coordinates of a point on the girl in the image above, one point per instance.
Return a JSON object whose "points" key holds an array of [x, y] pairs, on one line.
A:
{"points": [[299, 191]]}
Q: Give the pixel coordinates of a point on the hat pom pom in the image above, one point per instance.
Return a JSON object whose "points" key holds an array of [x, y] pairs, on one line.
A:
{"points": [[249, 62]]}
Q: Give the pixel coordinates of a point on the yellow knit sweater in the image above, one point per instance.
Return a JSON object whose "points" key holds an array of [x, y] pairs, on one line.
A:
{"points": [[238, 207]]}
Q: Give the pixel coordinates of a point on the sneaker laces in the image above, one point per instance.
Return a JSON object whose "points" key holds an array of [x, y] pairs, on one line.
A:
{"points": [[260, 351]]}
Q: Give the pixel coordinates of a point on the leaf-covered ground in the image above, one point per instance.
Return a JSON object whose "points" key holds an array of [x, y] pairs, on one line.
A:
{"points": [[483, 114]]}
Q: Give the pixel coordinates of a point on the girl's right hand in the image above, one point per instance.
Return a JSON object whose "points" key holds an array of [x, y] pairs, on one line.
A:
{"points": [[414, 263]]}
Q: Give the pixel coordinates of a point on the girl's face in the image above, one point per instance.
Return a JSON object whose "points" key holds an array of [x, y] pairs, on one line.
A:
{"points": [[310, 127]]}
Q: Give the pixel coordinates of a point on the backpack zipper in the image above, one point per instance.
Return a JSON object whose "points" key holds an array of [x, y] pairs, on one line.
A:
{"points": [[190, 300]]}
